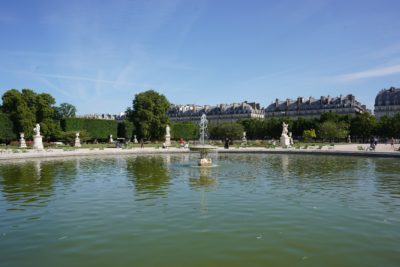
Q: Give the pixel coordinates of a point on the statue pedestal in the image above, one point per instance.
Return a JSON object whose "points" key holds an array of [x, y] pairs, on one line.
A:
{"points": [[37, 142], [77, 142], [285, 141], [22, 143], [168, 140]]}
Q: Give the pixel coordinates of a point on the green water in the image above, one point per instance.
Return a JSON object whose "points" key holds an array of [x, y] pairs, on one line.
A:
{"points": [[251, 210]]}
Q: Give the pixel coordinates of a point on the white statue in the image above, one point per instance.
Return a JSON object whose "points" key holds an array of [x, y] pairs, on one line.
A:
{"points": [[37, 129], [284, 128], [22, 140], [290, 139], [167, 136], [135, 139], [37, 139], [77, 140], [111, 139], [285, 139], [244, 139]]}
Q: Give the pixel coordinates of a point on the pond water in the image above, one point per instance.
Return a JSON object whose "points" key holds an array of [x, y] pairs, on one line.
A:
{"points": [[251, 210]]}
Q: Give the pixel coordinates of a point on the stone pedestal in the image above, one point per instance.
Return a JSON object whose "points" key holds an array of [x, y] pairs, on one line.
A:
{"points": [[285, 141], [167, 140], [205, 162], [22, 143], [77, 142], [38, 142]]}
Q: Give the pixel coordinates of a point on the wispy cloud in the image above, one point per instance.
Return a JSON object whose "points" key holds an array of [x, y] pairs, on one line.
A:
{"points": [[80, 78], [371, 73]]}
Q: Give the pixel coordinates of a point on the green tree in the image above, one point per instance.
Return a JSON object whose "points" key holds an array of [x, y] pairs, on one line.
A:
{"points": [[149, 115], [363, 125], [309, 134], [330, 130], [125, 129], [231, 130], [65, 110], [21, 110], [26, 108], [6, 128]]}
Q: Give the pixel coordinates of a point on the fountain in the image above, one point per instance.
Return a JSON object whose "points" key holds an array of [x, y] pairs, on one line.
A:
{"points": [[202, 147]]}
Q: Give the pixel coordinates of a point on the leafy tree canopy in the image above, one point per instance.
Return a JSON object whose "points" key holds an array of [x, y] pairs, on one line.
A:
{"points": [[65, 110], [149, 115]]}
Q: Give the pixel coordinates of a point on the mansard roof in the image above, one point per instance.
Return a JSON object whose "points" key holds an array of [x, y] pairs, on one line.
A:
{"points": [[325, 102], [388, 97], [234, 108]]}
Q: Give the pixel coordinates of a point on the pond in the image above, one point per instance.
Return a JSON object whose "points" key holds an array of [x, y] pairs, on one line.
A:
{"points": [[159, 210]]}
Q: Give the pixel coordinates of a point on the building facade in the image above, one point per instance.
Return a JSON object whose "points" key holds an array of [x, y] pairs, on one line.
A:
{"points": [[314, 108], [387, 102], [216, 114], [118, 117]]}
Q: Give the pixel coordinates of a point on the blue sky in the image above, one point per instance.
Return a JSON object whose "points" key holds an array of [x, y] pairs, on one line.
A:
{"points": [[98, 54]]}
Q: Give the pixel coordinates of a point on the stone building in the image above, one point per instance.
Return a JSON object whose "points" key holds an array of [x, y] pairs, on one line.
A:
{"points": [[118, 117], [216, 114], [314, 108], [387, 102]]}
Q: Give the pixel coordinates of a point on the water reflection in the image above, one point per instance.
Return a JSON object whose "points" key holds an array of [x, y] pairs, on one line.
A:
{"points": [[149, 175], [204, 179], [388, 176], [32, 183]]}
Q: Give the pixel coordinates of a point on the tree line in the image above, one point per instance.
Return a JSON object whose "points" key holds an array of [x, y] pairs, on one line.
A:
{"points": [[328, 127], [147, 119]]}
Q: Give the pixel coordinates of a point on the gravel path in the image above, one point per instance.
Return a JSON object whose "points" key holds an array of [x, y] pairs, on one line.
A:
{"points": [[382, 150]]}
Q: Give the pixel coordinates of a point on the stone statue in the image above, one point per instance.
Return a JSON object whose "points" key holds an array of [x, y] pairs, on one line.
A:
{"points": [[37, 139], [290, 139], [244, 139], [284, 128], [167, 136], [135, 139], [37, 129], [22, 140], [77, 140], [111, 139], [285, 139]]}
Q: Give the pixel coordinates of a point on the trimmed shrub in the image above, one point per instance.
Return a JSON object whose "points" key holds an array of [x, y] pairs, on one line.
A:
{"points": [[185, 130], [231, 130], [97, 129]]}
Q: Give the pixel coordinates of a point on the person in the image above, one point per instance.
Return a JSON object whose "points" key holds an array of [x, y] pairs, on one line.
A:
{"points": [[392, 142], [226, 145], [164, 145], [141, 143], [372, 143]]}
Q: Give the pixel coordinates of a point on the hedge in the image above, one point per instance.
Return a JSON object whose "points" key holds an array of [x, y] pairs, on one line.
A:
{"points": [[125, 130], [97, 129], [6, 129], [185, 130]]}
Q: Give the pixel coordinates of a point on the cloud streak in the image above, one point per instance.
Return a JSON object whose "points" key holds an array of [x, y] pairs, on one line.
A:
{"points": [[371, 73], [80, 78]]}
